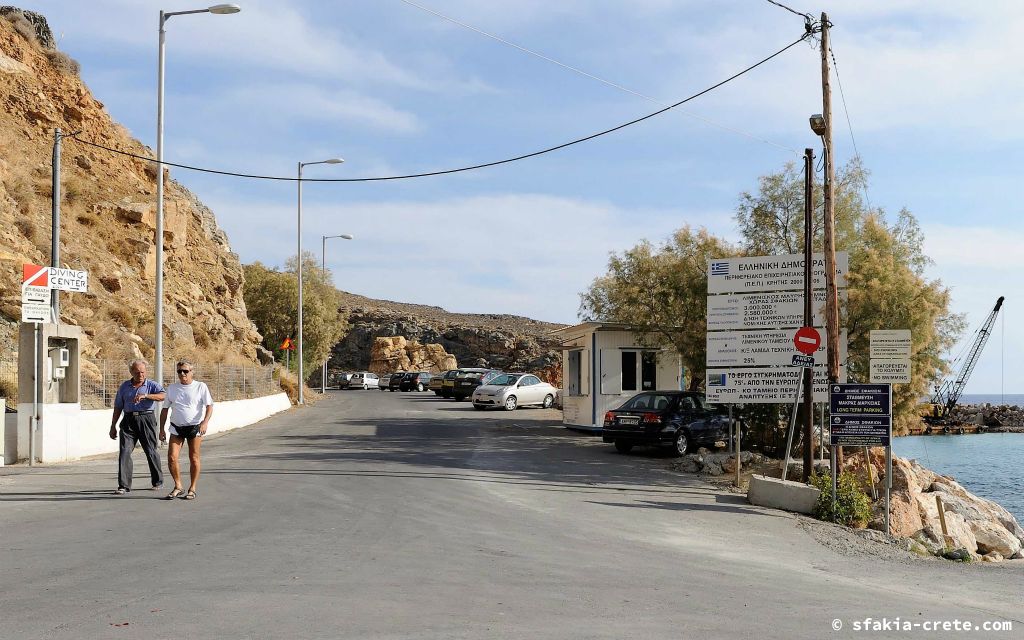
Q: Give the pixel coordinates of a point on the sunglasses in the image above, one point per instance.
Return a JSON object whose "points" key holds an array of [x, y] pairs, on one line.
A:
{"points": [[182, 372]]}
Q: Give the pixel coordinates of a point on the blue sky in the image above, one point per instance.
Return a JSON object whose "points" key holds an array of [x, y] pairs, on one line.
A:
{"points": [[931, 87]]}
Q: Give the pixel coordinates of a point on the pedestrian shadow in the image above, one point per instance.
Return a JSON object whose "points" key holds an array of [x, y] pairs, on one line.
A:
{"points": [[63, 496], [723, 504]]}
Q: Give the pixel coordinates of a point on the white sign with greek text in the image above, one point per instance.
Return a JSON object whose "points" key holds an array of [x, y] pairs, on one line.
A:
{"points": [[890, 343], [767, 385], [763, 310], [890, 370], [769, 347], [772, 273]]}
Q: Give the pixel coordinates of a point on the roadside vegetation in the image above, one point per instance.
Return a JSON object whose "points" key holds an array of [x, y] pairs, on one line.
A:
{"points": [[663, 288], [271, 299]]}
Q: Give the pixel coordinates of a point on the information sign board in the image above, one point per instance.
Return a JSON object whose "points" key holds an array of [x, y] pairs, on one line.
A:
{"points": [[890, 370], [31, 312], [760, 347], [764, 310], [890, 343], [860, 415], [768, 385], [772, 273], [801, 360]]}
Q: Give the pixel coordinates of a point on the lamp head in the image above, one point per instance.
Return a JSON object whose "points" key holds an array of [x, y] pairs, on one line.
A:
{"points": [[334, 161], [347, 236], [225, 9], [818, 124]]}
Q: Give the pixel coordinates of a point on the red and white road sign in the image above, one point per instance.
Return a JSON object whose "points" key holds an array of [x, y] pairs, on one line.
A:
{"points": [[35, 276], [807, 340]]}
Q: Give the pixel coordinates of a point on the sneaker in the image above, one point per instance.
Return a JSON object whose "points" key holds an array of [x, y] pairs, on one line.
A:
{"points": [[120, 491]]}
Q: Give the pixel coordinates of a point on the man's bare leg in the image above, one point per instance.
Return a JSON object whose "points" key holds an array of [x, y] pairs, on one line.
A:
{"points": [[194, 445]]}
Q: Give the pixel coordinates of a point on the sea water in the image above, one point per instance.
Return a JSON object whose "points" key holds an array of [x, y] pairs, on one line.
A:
{"points": [[986, 464], [1012, 399]]}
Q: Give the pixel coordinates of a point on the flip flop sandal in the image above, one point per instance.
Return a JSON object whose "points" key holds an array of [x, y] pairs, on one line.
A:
{"points": [[173, 494], [190, 495]]}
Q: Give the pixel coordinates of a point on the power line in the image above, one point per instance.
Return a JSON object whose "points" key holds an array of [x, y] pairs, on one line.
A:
{"points": [[849, 124], [460, 169], [793, 11], [585, 74]]}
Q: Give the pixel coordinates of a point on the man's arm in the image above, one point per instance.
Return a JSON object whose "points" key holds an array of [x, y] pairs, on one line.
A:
{"points": [[163, 421], [113, 423], [206, 420]]}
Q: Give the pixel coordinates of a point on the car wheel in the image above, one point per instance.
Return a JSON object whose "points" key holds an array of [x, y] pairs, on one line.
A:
{"points": [[548, 401], [511, 403], [479, 407], [419, 387], [365, 387], [459, 398], [622, 446], [681, 444]]}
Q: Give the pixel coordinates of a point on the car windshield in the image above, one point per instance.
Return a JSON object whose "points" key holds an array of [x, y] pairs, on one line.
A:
{"points": [[469, 375], [410, 376], [647, 402], [505, 380]]}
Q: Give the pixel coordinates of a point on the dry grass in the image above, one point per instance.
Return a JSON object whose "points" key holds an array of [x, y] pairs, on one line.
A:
{"points": [[20, 189], [87, 219], [9, 390], [27, 228], [123, 317], [63, 62], [22, 26]]}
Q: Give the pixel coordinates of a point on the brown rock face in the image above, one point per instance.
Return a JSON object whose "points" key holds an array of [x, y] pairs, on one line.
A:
{"points": [[108, 219], [395, 353]]}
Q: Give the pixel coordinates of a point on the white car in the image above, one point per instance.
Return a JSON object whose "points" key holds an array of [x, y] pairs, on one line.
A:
{"points": [[513, 390], [364, 381]]}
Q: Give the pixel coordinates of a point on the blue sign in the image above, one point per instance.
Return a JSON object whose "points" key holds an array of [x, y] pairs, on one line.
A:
{"points": [[860, 415]]}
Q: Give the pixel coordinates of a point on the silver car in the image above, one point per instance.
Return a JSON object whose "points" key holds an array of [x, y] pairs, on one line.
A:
{"points": [[513, 390]]}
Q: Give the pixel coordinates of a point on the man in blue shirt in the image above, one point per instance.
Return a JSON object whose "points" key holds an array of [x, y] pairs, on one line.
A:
{"points": [[136, 399]]}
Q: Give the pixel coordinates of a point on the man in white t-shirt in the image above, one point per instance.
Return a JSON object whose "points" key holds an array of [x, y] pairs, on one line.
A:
{"points": [[191, 406]]}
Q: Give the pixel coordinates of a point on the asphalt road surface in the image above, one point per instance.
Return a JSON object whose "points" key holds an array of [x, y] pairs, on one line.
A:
{"points": [[388, 515]]}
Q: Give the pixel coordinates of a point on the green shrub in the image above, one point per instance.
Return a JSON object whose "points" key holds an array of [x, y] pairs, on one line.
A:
{"points": [[852, 506]]}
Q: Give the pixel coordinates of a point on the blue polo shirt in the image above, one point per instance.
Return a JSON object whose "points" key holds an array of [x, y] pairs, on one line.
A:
{"points": [[126, 393]]}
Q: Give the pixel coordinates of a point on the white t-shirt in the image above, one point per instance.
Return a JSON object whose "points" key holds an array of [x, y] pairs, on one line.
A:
{"points": [[187, 403]]}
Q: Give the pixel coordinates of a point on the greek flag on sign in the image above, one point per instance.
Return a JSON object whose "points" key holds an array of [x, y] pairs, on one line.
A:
{"points": [[716, 380], [719, 268]]}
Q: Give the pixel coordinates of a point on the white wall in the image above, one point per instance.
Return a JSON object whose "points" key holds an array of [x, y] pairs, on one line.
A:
{"points": [[93, 426], [9, 437]]}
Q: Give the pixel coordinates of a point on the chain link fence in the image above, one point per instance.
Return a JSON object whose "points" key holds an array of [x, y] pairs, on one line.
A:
{"points": [[101, 378]]}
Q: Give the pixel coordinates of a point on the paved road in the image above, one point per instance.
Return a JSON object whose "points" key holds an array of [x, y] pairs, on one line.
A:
{"points": [[386, 515]]}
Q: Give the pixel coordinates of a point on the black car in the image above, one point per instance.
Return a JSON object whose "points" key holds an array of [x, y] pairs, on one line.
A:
{"points": [[414, 381], [395, 380], [467, 380], [680, 420]]}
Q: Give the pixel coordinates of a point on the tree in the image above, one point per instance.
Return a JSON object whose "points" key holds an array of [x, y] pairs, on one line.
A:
{"points": [[271, 298], [887, 286], [661, 291]]}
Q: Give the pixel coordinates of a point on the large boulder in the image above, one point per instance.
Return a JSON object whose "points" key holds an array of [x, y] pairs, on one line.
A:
{"points": [[395, 353], [995, 538]]}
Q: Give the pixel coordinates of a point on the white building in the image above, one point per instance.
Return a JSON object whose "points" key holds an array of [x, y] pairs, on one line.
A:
{"points": [[605, 363]]}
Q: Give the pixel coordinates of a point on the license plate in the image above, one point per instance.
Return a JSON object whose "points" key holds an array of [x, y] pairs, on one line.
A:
{"points": [[629, 420]]}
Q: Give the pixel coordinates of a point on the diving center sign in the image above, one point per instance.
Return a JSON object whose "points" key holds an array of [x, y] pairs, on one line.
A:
{"points": [[772, 273], [55, 278]]}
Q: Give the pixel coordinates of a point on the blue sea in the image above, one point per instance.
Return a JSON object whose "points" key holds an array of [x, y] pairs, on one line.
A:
{"points": [[987, 464], [1013, 399]]}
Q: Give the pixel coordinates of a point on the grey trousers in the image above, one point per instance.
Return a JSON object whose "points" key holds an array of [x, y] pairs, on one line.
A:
{"points": [[141, 429]]}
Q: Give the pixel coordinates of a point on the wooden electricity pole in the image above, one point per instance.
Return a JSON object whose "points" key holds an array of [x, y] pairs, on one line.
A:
{"points": [[831, 294]]}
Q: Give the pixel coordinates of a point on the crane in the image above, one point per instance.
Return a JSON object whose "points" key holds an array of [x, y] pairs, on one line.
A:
{"points": [[948, 393]]}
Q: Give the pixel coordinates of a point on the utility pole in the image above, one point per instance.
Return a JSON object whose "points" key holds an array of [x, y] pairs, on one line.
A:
{"points": [[55, 220], [808, 315], [831, 294]]}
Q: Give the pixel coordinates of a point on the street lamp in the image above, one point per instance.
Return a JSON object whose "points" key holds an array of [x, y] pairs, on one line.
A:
{"points": [[219, 9], [299, 266], [323, 267]]}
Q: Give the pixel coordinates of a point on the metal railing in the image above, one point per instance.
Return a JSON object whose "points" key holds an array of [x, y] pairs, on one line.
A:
{"points": [[101, 379]]}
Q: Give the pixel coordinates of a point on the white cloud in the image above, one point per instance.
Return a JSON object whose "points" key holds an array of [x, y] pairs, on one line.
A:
{"points": [[986, 247]]}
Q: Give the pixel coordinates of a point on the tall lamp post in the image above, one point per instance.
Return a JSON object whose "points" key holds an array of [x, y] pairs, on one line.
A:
{"points": [[323, 267], [299, 268], [217, 9]]}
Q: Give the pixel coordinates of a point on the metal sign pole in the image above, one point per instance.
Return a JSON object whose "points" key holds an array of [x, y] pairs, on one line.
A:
{"points": [[792, 425], [888, 468], [738, 445]]}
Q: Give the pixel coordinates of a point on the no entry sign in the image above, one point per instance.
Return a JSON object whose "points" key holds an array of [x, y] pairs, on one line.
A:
{"points": [[807, 340]]}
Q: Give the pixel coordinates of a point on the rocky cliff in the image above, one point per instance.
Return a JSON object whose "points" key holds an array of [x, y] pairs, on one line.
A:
{"points": [[398, 354], [107, 219], [501, 341]]}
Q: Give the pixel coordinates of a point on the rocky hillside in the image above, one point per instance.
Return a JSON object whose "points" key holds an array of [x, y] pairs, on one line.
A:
{"points": [[108, 218], [501, 341]]}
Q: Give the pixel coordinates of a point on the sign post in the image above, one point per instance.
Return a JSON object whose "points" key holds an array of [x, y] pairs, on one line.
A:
{"points": [[861, 416]]}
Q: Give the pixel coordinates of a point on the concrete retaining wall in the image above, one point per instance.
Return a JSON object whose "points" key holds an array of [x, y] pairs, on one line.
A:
{"points": [[92, 427]]}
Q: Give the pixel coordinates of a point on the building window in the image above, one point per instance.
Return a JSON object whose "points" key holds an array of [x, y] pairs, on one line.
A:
{"points": [[629, 371], [573, 374], [648, 370]]}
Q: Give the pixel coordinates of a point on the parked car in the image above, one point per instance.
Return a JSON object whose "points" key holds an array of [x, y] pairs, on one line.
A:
{"points": [[448, 383], [513, 390], [680, 420], [382, 382], [467, 380], [364, 380], [436, 382], [343, 380], [415, 381], [395, 380]]}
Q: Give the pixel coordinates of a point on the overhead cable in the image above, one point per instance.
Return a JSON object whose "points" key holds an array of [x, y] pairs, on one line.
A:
{"points": [[585, 74], [460, 169], [793, 11], [842, 95]]}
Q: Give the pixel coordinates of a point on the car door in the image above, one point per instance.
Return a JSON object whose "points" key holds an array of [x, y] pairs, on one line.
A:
{"points": [[535, 389]]}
